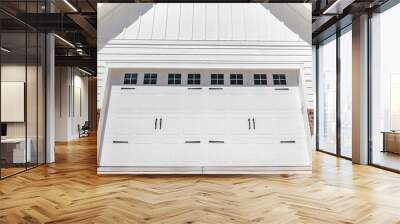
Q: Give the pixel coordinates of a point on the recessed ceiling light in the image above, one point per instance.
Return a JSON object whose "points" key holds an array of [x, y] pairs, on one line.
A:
{"points": [[86, 72], [64, 40], [70, 5]]}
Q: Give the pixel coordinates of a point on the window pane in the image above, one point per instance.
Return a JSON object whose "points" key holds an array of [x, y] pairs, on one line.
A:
{"points": [[385, 88], [346, 94], [327, 96]]}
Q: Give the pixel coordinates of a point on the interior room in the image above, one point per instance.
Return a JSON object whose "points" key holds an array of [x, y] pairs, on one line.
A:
{"points": [[22, 99], [131, 111]]}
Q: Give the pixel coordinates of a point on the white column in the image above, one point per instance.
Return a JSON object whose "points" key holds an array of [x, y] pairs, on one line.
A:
{"points": [[360, 90], [50, 99]]}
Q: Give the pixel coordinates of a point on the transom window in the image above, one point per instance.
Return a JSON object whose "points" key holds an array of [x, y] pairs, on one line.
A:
{"points": [[174, 79], [150, 79], [279, 79], [217, 79], [193, 79], [236, 79], [130, 79], [260, 79]]}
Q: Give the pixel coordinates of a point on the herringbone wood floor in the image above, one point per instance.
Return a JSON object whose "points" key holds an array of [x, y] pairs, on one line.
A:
{"points": [[70, 191]]}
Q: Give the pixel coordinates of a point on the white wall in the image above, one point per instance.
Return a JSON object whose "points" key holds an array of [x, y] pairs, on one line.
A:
{"points": [[204, 36], [70, 84]]}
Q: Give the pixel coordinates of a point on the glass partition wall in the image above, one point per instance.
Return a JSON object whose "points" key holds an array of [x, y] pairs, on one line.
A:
{"points": [[334, 93], [22, 107], [326, 132], [385, 90]]}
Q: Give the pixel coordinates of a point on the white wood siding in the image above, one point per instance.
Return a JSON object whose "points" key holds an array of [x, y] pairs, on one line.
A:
{"points": [[201, 35]]}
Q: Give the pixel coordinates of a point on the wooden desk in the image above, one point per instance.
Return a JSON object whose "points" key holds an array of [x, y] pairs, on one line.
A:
{"points": [[17, 148], [391, 141]]}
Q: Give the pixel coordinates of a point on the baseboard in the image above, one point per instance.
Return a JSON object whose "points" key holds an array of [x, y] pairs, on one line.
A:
{"points": [[205, 170]]}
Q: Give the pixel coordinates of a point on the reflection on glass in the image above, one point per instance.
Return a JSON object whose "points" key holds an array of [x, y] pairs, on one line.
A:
{"points": [[31, 101], [346, 93], [13, 86], [385, 92], [41, 98], [327, 96]]}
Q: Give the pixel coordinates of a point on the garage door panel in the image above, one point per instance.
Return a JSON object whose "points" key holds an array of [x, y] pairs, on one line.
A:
{"points": [[215, 125], [189, 154], [169, 125], [205, 127], [192, 125], [131, 125], [238, 125]]}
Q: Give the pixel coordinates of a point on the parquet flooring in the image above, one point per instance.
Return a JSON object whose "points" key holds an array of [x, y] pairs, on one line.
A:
{"points": [[70, 191]]}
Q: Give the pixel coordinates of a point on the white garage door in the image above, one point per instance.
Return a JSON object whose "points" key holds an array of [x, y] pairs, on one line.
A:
{"points": [[212, 127]]}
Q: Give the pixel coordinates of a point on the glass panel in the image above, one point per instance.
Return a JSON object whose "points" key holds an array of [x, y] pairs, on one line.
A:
{"points": [[41, 99], [346, 93], [385, 89], [31, 99], [327, 96], [13, 87]]}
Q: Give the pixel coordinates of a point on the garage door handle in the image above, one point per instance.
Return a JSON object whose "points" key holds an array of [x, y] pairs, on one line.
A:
{"points": [[216, 141], [192, 142], [248, 119], [215, 88], [160, 123], [254, 124], [198, 88], [155, 124], [288, 141], [120, 142]]}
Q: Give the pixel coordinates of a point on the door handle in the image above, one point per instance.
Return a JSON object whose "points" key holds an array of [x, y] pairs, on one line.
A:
{"points": [[155, 124], [192, 141], [120, 142], [160, 123], [248, 119], [292, 141], [254, 124], [216, 141]]}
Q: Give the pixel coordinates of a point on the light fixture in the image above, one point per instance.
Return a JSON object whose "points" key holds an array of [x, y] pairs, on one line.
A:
{"points": [[86, 72], [337, 7], [64, 40], [5, 50], [70, 5]]}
